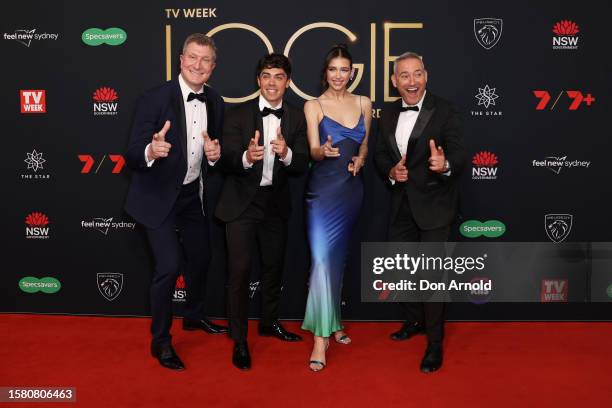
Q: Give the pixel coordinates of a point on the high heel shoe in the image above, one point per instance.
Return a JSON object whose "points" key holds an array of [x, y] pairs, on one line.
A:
{"points": [[343, 339], [319, 365]]}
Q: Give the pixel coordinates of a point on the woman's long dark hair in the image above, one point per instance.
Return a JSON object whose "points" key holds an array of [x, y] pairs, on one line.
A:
{"points": [[338, 50]]}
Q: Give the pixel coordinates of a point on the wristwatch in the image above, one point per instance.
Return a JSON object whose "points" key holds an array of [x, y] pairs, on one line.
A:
{"points": [[446, 166]]}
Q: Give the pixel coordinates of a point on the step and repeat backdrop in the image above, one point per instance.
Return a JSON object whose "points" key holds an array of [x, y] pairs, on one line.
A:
{"points": [[532, 81]]}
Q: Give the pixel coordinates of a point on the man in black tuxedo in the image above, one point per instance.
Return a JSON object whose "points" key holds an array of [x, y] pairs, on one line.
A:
{"points": [[174, 139], [263, 141], [420, 152]]}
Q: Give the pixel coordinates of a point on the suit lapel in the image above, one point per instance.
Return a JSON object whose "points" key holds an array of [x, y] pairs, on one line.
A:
{"points": [[210, 114], [427, 109], [392, 128], [179, 108], [285, 122]]}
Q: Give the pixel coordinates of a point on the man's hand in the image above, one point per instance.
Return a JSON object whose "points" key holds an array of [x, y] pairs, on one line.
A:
{"points": [[279, 146], [159, 147], [437, 159], [254, 152], [328, 150], [399, 172], [212, 149]]}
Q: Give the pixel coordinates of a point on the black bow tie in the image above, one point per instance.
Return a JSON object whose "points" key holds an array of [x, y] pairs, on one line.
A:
{"points": [[199, 96], [276, 112], [411, 108]]}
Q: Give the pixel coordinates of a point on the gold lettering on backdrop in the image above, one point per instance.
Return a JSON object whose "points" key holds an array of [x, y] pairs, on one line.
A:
{"points": [[346, 31], [389, 58], [259, 34], [207, 12], [373, 61], [168, 53]]}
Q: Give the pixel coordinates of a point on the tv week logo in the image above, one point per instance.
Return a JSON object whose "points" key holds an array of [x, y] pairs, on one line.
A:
{"points": [[485, 166], [37, 226], [554, 290], [105, 102], [33, 101]]}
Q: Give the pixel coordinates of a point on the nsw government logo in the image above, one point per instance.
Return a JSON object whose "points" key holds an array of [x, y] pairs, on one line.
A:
{"points": [[488, 31], [180, 293], [110, 285], [554, 290], [32, 101], [558, 226], [565, 35], [105, 102], [485, 166], [37, 226]]}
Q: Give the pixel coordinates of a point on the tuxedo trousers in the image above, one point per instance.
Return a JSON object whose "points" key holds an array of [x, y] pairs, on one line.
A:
{"points": [[179, 245]]}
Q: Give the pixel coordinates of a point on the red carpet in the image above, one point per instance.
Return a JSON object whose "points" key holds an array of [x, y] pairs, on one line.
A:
{"points": [[486, 364]]}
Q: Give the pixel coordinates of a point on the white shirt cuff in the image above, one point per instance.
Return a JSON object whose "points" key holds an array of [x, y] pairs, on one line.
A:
{"points": [[149, 162], [287, 160], [245, 162]]}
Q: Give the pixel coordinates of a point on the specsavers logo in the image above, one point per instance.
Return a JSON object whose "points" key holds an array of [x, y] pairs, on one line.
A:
{"points": [[30, 284], [110, 36], [475, 228]]}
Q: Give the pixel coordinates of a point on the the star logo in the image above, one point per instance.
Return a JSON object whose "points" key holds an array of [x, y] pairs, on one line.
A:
{"points": [[486, 96], [34, 161]]}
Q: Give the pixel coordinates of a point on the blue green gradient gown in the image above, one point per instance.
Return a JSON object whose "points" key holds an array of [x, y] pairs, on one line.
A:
{"points": [[333, 201]]}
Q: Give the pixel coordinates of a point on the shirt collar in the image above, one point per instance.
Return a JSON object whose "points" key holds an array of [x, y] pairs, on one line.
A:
{"points": [[185, 89], [420, 104], [263, 103]]}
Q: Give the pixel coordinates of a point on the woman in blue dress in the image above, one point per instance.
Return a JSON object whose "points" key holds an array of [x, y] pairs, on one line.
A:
{"points": [[338, 127]]}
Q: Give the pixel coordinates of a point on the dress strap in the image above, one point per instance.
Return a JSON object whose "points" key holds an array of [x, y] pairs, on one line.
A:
{"points": [[321, 106]]}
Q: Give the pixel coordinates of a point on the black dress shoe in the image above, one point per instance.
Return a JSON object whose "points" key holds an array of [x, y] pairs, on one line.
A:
{"points": [[204, 324], [432, 360], [276, 330], [241, 357], [408, 330], [167, 357]]}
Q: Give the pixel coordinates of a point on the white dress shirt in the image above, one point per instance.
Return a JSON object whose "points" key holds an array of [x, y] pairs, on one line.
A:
{"points": [[270, 125], [196, 120], [405, 124]]}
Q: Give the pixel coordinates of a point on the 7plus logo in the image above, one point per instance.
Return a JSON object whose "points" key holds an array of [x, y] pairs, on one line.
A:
{"points": [[576, 97], [88, 162]]}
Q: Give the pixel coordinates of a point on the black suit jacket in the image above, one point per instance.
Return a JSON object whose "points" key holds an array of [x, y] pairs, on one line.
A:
{"points": [[241, 185], [154, 190], [433, 197]]}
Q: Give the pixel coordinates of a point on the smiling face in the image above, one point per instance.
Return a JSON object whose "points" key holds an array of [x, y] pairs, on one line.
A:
{"points": [[197, 64], [338, 73], [273, 82], [410, 79]]}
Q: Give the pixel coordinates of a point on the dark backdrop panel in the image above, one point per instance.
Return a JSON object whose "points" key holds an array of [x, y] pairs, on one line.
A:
{"points": [[70, 72]]}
